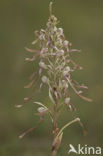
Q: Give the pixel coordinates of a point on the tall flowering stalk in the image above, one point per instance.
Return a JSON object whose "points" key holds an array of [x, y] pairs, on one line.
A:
{"points": [[55, 71]]}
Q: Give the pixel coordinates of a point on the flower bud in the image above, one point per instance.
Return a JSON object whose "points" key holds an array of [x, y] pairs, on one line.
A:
{"points": [[65, 73], [59, 42], [42, 110], [62, 52], [67, 68], [66, 43], [64, 84], [55, 29], [42, 31], [42, 37], [44, 79], [67, 100], [60, 31], [42, 64], [54, 18], [48, 25]]}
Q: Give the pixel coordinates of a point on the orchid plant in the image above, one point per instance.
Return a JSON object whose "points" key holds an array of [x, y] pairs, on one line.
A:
{"points": [[55, 70]]}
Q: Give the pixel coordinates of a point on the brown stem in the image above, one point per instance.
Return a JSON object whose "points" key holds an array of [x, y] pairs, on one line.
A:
{"points": [[50, 8], [54, 153], [55, 128], [55, 115], [55, 118]]}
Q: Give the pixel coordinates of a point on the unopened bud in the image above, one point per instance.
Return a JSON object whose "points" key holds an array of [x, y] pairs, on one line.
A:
{"points": [[67, 100], [44, 79], [42, 110], [67, 68], [48, 24], [61, 52], [65, 73], [42, 31], [54, 18], [66, 43], [60, 31], [55, 29], [42, 65], [64, 84]]}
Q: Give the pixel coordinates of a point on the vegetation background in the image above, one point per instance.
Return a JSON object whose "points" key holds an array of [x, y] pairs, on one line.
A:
{"points": [[82, 21]]}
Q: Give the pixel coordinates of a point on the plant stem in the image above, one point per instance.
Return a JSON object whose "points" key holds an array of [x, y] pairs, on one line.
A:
{"points": [[50, 8], [54, 153], [55, 115], [55, 126]]}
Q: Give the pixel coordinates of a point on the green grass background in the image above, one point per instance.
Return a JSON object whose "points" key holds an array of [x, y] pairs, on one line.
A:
{"points": [[82, 21]]}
